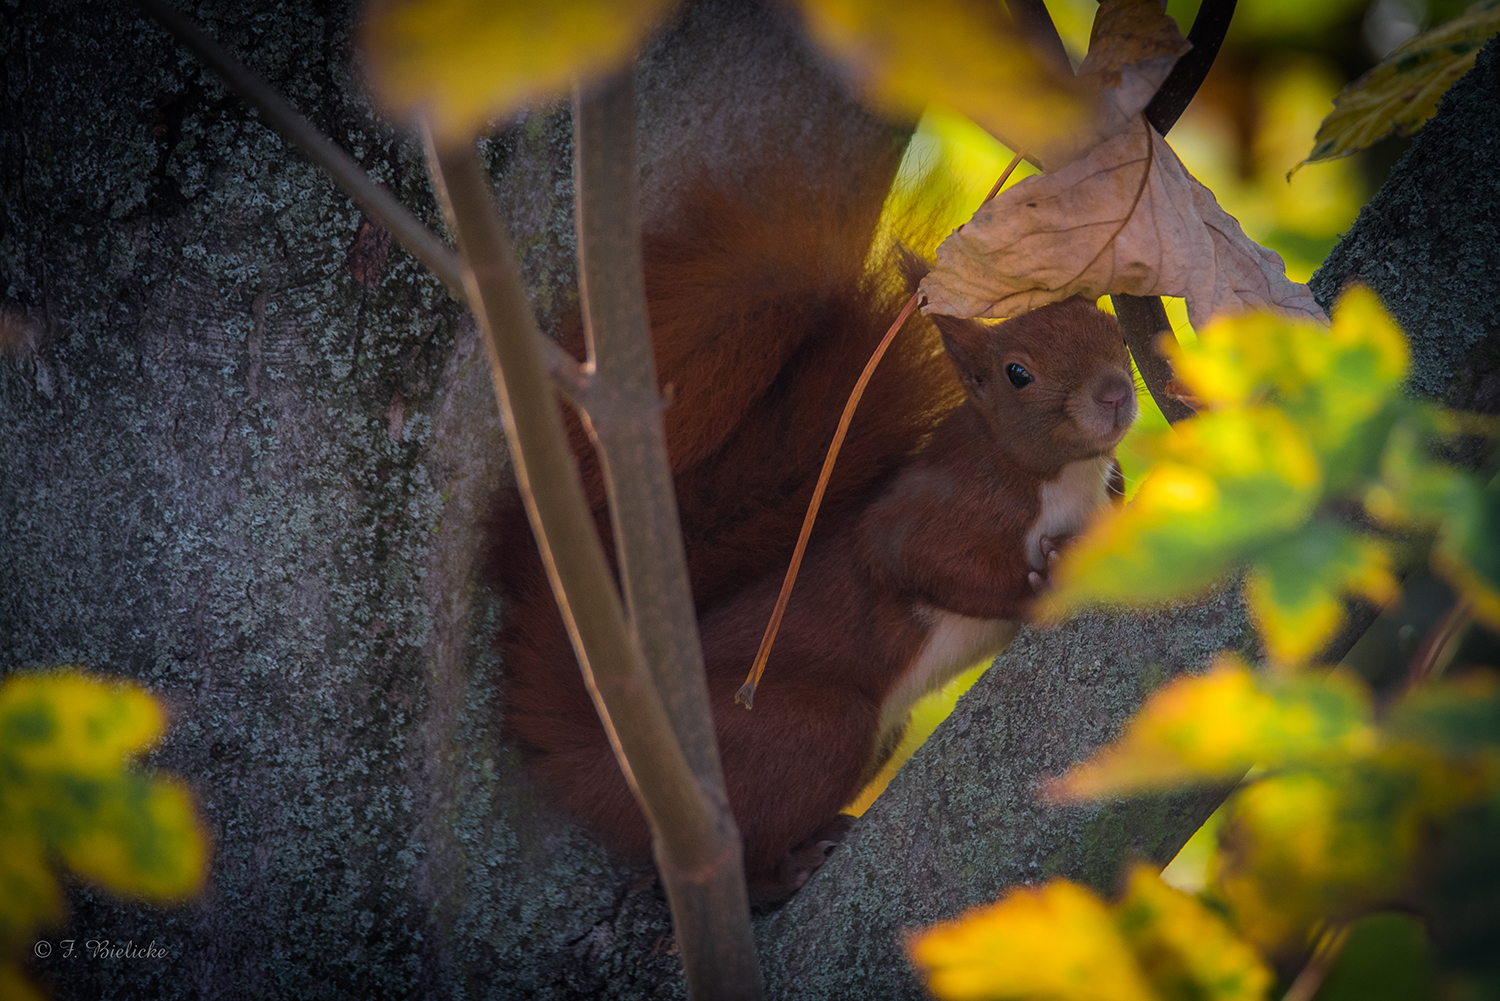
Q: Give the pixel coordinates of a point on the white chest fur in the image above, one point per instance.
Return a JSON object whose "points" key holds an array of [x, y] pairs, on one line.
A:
{"points": [[957, 642], [1068, 503]]}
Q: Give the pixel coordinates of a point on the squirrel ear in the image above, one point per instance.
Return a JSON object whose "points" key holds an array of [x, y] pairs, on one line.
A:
{"points": [[967, 343]]}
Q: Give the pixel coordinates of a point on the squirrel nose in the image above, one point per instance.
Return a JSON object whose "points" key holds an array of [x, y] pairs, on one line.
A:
{"points": [[1112, 395]]}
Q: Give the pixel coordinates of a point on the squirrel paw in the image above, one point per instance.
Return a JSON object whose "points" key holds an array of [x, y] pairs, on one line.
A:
{"points": [[1052, 547], [802, 861]]}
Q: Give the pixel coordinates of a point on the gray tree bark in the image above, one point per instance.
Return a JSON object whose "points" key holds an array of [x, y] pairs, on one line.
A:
{"points": [[247, 447]]}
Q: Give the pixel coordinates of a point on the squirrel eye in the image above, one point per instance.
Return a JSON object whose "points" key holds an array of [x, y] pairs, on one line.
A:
{"points": [[1018, 376]]}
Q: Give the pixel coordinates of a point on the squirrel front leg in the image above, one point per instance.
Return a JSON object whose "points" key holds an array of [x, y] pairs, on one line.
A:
{"points": [[939, 542]]}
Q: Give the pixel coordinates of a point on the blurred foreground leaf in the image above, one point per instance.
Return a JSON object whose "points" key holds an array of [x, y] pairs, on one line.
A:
{"points": [[1060, 942], [461, 63], [1345, 813], [1402, 92], [66, 792], [1216, 726], [966, 54]]}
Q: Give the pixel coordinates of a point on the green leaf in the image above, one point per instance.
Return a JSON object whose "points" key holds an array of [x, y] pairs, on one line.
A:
{"points": [[1458, 717], [1218, 725], [1417, 490], [1402, 92], [1385, 958], [1296, 585]]}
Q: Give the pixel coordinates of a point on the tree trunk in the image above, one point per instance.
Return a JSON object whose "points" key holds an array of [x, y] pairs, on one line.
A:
{"points": [[247, 449]]}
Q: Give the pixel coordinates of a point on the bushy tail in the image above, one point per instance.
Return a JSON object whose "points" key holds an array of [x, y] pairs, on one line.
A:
{"points": [[766, 299]]}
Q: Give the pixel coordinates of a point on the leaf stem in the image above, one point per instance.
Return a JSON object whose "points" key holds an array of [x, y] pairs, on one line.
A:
{"points": [[746, 695]]}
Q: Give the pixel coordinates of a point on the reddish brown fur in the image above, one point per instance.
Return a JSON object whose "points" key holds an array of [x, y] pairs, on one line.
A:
{"points": [[764, 310]]}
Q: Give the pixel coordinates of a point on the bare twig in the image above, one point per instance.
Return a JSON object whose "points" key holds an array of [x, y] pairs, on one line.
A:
{"points": [[1318, 967], [614, 669], [710, 909], [1440, 645], [374, 200]]}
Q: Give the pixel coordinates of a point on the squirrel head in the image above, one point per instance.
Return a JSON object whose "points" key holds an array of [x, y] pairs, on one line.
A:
{"points": [[1053, 385]]}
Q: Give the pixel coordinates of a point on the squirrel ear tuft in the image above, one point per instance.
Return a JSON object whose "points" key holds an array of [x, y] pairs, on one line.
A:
{"points": [[967, 343]]}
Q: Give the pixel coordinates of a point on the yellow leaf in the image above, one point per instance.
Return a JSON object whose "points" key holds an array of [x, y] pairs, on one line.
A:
{"points": [[461, 63], [65, 788], [1216, 726], [1185, 949], [29, 895], [13, 983], [1402, 92], [1055, 941], [64, 720], [144, 842], [965, 54], [1304, 847], [1357, 361]]}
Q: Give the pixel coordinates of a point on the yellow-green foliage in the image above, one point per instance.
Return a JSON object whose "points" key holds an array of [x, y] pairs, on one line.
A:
{"points": [[1351, 809], [1060, 941], [1400, 94], [1344, 818], [1300, 422], [460, 63], [67, 793]]}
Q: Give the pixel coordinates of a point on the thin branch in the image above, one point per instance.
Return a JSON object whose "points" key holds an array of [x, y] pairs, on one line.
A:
{"points": [[614, 669], [711, 911], [1440, 645], [1311, 979], [1036, 24], [1177, 90], [1143, 320], [372, 199]]}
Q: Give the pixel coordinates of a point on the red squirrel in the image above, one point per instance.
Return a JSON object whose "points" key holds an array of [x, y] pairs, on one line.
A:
{"points": [[966, 467]]}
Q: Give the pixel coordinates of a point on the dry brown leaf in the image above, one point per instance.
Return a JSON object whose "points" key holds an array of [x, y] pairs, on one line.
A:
{"points": [[1127, 218], [1131, 34], [1132, 48]]}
